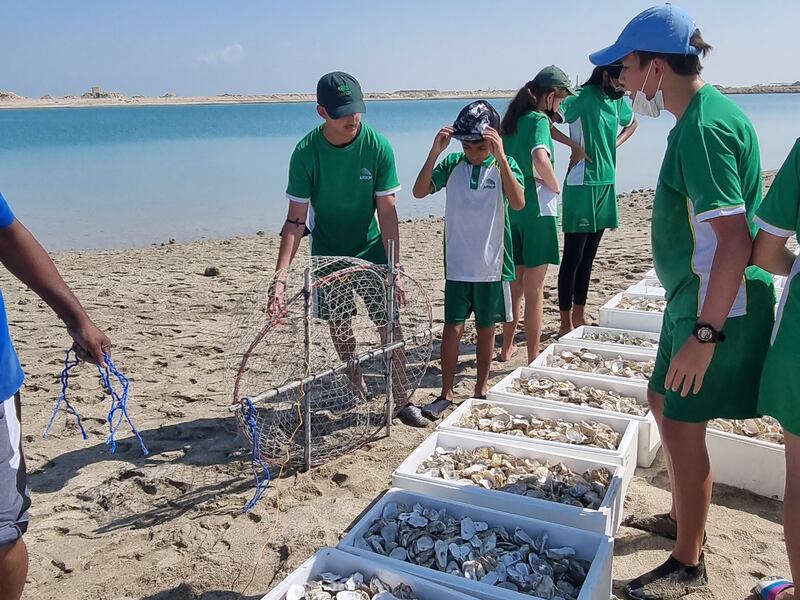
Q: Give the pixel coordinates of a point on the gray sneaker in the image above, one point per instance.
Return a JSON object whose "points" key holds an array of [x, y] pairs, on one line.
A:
{"points": [[412, 416]]}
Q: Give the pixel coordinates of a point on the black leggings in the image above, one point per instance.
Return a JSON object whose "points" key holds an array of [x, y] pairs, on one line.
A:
{"points": [[576, 267]]}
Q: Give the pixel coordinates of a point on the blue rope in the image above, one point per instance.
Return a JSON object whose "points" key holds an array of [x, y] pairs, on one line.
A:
{"points": [[262, 478], [68, 365], [119, 403]]}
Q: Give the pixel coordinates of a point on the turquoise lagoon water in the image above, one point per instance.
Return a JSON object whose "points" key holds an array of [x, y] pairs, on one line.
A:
{"points": [[130, 176]]}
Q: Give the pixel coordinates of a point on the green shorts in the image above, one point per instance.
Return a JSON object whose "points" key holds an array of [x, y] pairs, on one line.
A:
{"points": [[589, 208], [535, 242], [335, 294], [730, 386], [779, 394], [489, 300]]}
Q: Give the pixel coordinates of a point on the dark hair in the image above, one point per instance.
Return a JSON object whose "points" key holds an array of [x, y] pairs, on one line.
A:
{"points": [[523, 102], [596, 78], [682, 64]]}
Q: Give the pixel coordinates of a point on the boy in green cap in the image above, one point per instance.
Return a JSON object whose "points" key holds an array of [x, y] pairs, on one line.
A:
{"points": [[481, 182], [719, 311], [340, 176]]}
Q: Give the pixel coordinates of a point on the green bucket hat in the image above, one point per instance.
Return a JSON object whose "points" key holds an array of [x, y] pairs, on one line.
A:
{"points": [[340, 95], [553, 77]]}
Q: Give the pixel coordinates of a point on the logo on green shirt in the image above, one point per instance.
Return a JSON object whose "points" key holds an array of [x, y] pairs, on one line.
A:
{"points": [[344, 90], [365, 175], [490, 184]]}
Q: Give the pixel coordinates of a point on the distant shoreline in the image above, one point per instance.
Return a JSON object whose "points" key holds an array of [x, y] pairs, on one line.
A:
{"points": [[11, 101]]}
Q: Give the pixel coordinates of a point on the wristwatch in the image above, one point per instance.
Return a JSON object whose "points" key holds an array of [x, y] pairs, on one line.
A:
{"points": [[706, 334]]}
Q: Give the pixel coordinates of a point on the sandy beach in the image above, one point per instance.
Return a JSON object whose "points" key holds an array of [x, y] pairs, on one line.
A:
{"points": [[10, 100], [171, 526]]}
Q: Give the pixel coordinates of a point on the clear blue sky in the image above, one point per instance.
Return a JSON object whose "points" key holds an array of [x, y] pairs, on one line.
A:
{"points": [[200, 47]]}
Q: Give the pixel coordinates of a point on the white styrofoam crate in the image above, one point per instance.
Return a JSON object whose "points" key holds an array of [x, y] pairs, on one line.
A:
{"points": [[636, 320], [649, 286], [746, 463], [331, 560], [649, 440], [607, 353], [576, 337], [604, 520], [624, 455], [588, 545], [651, 274]]}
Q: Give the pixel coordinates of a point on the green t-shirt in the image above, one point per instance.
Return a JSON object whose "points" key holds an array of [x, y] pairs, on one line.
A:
{"points": [[779, 214], [477, 235], [594, 123], [341, 185], [533, 132], [711, 168]]}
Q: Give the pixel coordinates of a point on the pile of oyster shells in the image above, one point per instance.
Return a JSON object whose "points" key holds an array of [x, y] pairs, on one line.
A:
{"points": [[566, 391], [619, 338], [589, 361], [522, 476], [331, 586], [496, 419], [477, 551], [643, 303], [765, 429]]}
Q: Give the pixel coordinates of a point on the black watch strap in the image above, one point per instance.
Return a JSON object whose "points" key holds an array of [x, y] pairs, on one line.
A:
{"points": [[706, 334]]}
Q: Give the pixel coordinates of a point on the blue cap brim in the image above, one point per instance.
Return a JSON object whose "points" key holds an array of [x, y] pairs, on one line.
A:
{"points": [[612, 54]]}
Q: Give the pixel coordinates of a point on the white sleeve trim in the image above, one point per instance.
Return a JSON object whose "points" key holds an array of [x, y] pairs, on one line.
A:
{"points": [[389, 192], [720, 212], [298, 200], [778, 231], [542, 146]]}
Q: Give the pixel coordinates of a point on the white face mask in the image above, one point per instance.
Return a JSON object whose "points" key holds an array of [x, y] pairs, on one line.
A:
{"points": [[645, 107]]}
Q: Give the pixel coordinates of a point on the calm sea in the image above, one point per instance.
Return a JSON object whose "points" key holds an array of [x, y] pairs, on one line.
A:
{"points": [[130, 176]]}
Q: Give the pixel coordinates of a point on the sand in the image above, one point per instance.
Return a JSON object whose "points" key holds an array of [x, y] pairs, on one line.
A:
{"points": [[10, 100], [171, 526]]}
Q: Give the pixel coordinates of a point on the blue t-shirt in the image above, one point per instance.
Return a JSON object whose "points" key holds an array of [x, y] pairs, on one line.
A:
{"points": [[11, 375]]}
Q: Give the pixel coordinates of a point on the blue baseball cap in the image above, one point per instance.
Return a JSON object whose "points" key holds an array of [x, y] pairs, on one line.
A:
{"points": [[665, 28]]}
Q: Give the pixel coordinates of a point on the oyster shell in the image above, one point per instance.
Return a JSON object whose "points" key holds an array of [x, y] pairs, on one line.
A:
{"points": [[522, 476], [642, 303], [588, 361], [493, 556], [765, 429], [623, 338], [566, 391], [584, 433], [332, 586]]}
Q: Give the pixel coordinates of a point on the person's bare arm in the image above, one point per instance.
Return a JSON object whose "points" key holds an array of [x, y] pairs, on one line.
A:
{"points": [[423, 185], [734, 246], [627, 133], [544, 170], [26, 259], [291, 236], [578, 152], [387, 219], [511, 187], [771, 254]]}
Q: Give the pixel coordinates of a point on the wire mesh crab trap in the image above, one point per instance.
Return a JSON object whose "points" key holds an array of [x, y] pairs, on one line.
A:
{"points": [[323, 370]]}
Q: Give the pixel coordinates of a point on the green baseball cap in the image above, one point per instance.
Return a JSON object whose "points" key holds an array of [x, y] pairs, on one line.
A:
{"points": [[553, 77], [340, 95]]}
